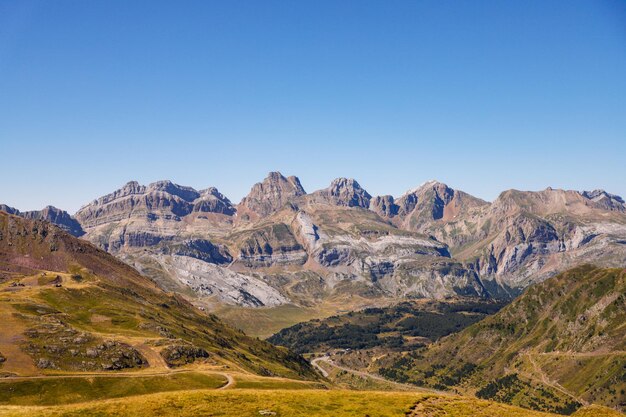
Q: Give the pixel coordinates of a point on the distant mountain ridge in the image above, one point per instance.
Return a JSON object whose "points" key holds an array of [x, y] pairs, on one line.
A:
{"points": [[282, 245], [51, 214]]}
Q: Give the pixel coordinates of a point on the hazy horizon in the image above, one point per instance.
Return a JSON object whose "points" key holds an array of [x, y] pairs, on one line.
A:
{"points": [[481, 96]]}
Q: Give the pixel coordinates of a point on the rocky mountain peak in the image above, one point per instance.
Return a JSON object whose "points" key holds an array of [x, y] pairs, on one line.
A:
{"points": [[438, 187], [551, 200], [160, 199], [51, 214], [384, 206], [211, 191], [133, 185], [211, 200], [186, 193], [423, 186], [9, 209], [345, 192], [272, 194], [605, 200], [130, 188]]}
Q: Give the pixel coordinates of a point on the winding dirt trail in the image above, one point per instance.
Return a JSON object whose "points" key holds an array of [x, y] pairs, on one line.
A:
{"points": [[547, 381], [316, 365], [230, 381], [368, 375], [117, 374]]}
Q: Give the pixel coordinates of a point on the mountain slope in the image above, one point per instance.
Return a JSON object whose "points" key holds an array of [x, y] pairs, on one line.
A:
{"points": [[68, 306], [561, 344], [51, 214], [402, 326], [520, 238], [281, 247], [269, 196]]}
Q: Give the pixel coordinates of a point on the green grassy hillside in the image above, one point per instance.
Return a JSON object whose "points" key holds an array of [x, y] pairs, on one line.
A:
{"points": [[68, 307], [560, 345]]}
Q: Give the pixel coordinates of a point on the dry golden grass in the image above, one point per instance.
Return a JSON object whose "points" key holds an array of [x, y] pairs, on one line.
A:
{"points": [[249, 403], [597, 411], [289, 403]]}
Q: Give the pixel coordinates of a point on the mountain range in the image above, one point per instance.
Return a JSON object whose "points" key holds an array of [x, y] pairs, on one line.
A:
{"points": [[125, 283], [283, 246]]}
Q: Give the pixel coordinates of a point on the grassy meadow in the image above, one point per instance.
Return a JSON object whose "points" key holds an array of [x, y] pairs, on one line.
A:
{"points": [[290, 403]]}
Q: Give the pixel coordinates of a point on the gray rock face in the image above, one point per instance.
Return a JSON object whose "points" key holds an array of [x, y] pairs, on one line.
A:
{"points": [[605, 200], [434, 201], [201, 249], [161, 199], [522, 237], [526, 237], [138, 216], [375, 258], [344, 192], [438, 279], [384, 206], [407, 203], [228, 286], [9, 209], [269, 246], [212, 201], [310, 234], [272, 194], [166, 186]]}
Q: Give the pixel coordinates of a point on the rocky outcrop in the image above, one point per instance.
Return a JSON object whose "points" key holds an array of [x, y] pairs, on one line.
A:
{"points": [[524, 239], [309, 233], [159, 200], [407, 203], [269, 246], [375, 258], [201, 249], [137, 216], [343, 192], [212, 201], [438, 278], [182, 354], [209, 280], [50, 214], [605, 200], [9, 209], [384, 206], [48, 346], [58, 217], [434, 201], [270, 195]]}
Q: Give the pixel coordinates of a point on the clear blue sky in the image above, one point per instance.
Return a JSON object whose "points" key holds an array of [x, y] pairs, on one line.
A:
{"points": [[483, 95]]}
